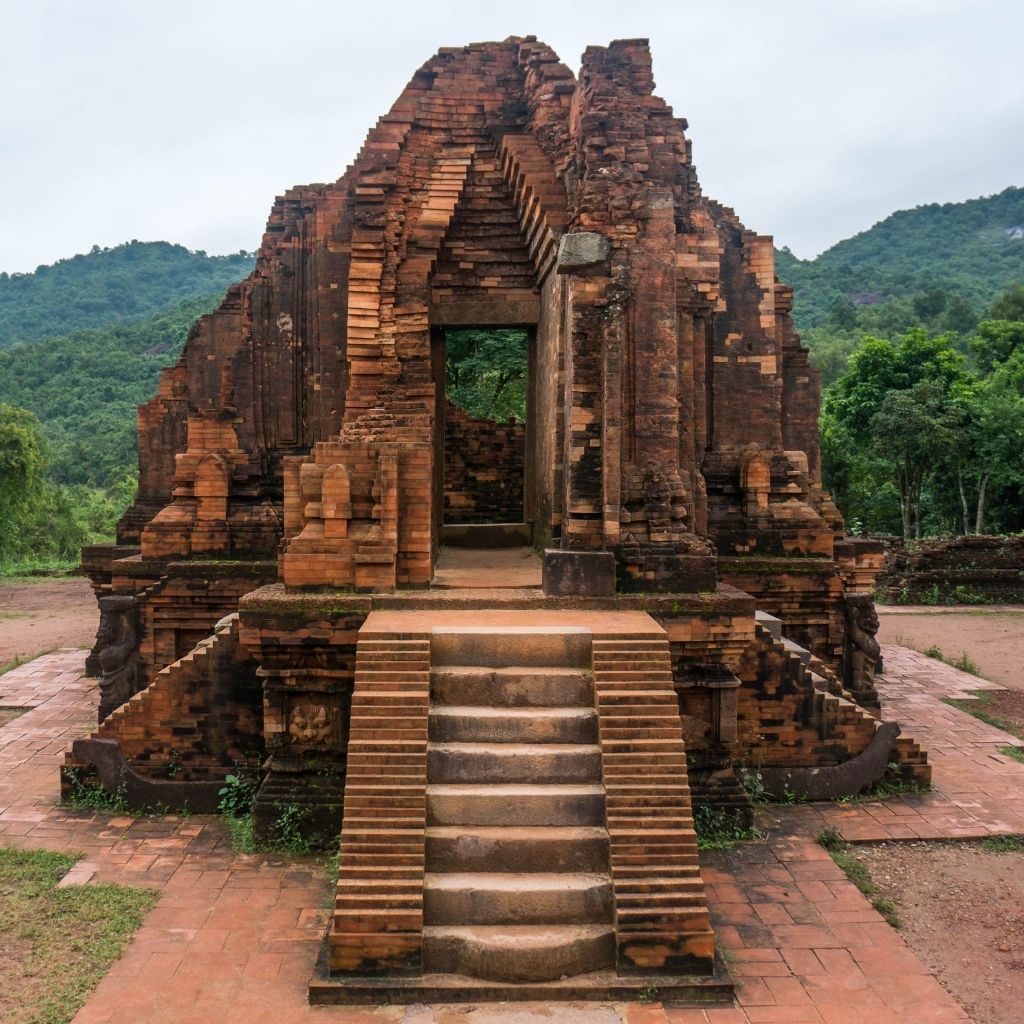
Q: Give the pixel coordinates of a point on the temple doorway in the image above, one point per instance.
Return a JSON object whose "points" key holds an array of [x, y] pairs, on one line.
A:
{"points": [[482, 490]]}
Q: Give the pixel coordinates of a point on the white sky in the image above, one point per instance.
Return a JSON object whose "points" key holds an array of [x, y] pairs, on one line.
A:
{"points": [[182, 119]]}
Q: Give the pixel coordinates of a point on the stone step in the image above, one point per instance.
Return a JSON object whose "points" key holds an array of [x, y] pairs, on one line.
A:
{"points": [[514, 762], [508, 953], [511, 687], [549, 848], [469, 724], [497, 646], [461, 898], [515, 805]]}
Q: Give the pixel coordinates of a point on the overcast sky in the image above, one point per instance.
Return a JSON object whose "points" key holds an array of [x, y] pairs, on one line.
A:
{"points": [[182, 120]]}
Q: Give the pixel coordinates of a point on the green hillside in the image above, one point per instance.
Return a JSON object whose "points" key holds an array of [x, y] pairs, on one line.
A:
{"points": [[969, 249], [85, 386], [110, 286]]}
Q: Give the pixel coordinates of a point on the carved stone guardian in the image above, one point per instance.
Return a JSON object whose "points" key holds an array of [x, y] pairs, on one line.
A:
{"points": [[863, 651], [117, 643]]}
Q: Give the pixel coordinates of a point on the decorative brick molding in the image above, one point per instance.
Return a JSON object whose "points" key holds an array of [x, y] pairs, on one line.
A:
{"points": [[661, 915], [378, 917]]}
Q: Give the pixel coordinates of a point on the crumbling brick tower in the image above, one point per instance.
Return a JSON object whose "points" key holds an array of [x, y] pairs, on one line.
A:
{"points": [[293, 467]]}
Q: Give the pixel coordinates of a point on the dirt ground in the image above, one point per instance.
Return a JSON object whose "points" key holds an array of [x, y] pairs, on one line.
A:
{"points": [[961, 907], [42, 615], [993, 640]]}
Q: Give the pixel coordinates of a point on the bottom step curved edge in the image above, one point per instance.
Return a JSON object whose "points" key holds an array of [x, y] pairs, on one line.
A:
{"points": [[606, 985]]}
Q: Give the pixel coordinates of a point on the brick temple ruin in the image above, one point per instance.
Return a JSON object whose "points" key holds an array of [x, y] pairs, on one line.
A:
{"points": [[328, 577]]}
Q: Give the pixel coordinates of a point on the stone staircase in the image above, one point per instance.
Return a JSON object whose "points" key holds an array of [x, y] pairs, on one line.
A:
{"points": [[517, 885], [517, 818]]}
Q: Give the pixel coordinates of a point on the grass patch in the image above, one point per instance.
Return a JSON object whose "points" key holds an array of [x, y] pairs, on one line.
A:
{"points": [[1004, 844], [965, 663], [17, 661], [887, 909], [35, 570], [1017, 753], [58, 943], [886, 789], [9, 714], [719, 828], [858, 873], [977, 709]]}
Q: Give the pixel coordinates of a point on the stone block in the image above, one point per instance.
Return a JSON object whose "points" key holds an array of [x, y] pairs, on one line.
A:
{"points": [[580, 250], [579, 573]]}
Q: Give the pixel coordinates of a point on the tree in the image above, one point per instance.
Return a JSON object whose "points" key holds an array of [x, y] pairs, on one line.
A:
{"points": [[907, 429], [959, 316], [1009, 305], [843, 313], [888, 426], [486, 372], [23, 463], [880, 367], [995, 341], [990, 440]]}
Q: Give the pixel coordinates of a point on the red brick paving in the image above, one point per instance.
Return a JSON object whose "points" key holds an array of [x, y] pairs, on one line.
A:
{"points": [[234, 936]]}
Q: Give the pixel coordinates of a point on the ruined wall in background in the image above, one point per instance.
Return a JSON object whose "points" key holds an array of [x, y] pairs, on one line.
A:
{"points": [[484, 464], [954, 570]]}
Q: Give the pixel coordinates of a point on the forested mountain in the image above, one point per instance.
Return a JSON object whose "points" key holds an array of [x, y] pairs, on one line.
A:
{"points": [[971, 251], [110, 286], [85, 387]]}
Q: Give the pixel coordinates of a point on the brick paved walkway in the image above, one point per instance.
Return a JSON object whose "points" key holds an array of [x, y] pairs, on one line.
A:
{"points": [[234, 937]]}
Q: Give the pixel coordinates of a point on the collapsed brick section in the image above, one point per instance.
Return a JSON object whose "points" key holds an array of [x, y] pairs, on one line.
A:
{"points": [[484, 466], [201, 716], [678, 406]]}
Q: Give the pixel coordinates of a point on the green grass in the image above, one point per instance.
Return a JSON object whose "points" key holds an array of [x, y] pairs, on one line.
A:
{"points": [[1004, 844], [1017, 753], [977, 708], [883, 790], [58, 943], [965, 663], [858, 873], [17, 661], [34, 570]]}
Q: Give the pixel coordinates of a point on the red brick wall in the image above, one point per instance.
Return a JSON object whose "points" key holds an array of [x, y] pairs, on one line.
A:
{"points": [[484, 464]]}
